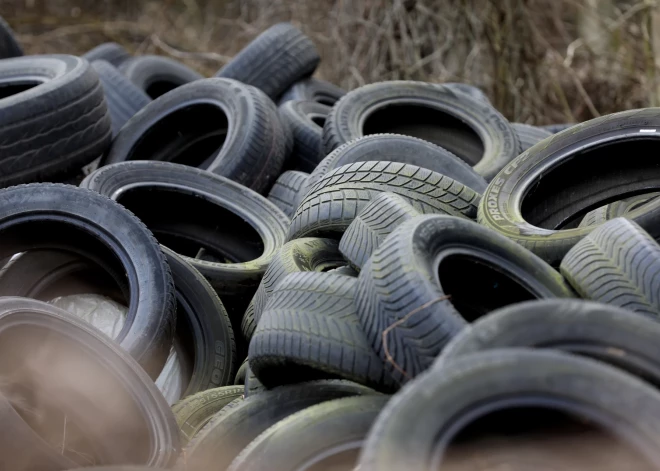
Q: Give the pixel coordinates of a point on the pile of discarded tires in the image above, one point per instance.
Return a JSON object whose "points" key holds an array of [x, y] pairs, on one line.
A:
{"points": [[260, 271]]}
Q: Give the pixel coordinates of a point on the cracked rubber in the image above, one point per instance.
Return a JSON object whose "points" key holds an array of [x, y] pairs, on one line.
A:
{"points": [[275, 60], [335, 200], [50, 131], [619, 264], [409, 271], [309, 330]]}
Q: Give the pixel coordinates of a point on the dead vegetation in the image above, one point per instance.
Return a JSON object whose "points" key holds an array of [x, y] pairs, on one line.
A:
{"points": [[540, 61]]}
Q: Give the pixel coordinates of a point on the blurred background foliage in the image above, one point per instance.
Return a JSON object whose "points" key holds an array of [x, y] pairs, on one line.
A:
{"points": [[540, 61]]}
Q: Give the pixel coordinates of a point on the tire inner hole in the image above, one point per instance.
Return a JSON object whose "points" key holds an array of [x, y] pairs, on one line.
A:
{"points": [[430, 124], [539, 438], [477, 288], [192, 135], [318, 120], [590, 179], [8, 89], [192, 226], [160, 87]]}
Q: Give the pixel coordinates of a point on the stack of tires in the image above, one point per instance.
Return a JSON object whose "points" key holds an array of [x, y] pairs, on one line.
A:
{"points": [[261, 271]]}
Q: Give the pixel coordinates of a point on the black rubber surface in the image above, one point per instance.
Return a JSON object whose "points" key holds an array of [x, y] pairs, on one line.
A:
{"points": [[337, 198], [397, 148], [275, 60], [306, 120], [219, 125], [227, 232], [326, 435], [284, 192], [553, 186], [122, 97], [619, 264], [62, 217], [432, 276], [157, 75], [313, 89], [53, 118], [113, 53], [468, 127], [309, 330], [607, 333], [508, 408], [223, 438]]}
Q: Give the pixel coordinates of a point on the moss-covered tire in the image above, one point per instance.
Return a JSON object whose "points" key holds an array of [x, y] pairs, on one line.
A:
{"points": [[195, 411], [446, 271], [467, 127], [552, 185]]}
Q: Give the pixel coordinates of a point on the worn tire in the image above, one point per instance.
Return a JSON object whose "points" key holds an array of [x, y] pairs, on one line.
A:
{"points": [[545, 188], [402, 149], [248, 323], [372, 225], [49, 131], [202, 318], [555, 128], [474, 92], [528, 135], [606, 333], [305, 119], [300, 255], [315, 435], [284, 192], [447, 400], [617, 209], [252, 384], [619, 264], [157, 75], [122, 97], [275, 60], [467, 127], [71, 366], [313, 89], [67, 218], [309, 330], [221, 125], [333, 203], [9, 47], [113, 53], [240, 205], [216, 446], [416, 271], [194, 412]]}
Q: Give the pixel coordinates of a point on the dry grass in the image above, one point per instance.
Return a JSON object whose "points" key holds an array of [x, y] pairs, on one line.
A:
{"points": [[540, 61]]}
